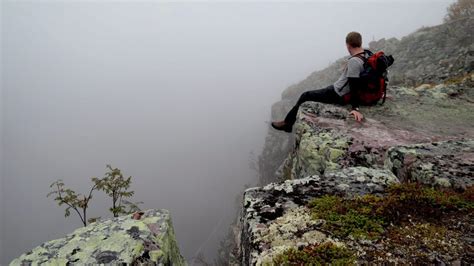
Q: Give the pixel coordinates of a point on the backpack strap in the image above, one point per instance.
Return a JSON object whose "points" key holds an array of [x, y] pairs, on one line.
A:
{"points": [[362, 55], [368, 52], [384, 94]]}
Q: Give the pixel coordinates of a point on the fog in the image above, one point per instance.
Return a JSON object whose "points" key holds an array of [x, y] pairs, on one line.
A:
{"points": [[177, 95]]}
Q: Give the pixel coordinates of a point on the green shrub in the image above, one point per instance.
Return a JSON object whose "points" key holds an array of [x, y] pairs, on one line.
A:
{"points": [[367, 216]]}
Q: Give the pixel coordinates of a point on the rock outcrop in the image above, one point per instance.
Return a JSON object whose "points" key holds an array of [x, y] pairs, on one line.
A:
{"points": [[326, 139], [443, 164], [396, 188], [121, 240], [431, 54], [275, 217], [422, 134], [432, 71], [338, 160]]}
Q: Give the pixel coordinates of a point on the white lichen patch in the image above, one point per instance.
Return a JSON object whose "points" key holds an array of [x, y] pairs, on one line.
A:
{"points": [[361, 175], [295, 228]]}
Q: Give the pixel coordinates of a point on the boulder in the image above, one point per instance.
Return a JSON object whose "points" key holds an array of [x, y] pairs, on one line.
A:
{"points": [[121, 240], [443, 164], [326, 140], [275, 217]]}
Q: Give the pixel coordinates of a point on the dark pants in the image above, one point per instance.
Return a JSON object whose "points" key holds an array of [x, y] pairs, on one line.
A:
{"points": [[326, 95]]}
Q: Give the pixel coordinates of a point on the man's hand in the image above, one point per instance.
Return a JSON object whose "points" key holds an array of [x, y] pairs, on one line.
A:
{"points": [[357, 115]]}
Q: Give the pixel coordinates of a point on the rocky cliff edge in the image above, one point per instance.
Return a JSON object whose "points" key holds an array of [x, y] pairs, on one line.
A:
{"points": [[396, 188], [121, 240]]}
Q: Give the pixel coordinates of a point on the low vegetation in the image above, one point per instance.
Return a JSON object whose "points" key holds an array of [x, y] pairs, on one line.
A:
{"points": [[323, 254], [409, 216], [367, 216]]}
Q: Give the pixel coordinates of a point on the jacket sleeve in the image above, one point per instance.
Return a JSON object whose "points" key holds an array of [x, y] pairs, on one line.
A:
{"points": [[355, 85]]}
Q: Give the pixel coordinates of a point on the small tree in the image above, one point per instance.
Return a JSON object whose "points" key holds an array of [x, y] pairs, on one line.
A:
{"points": [[77, 202], [460, 9], [116, 186], [132, 206], [113, 184]]}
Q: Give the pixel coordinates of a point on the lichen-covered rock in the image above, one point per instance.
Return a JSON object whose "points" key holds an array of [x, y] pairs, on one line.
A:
{"points": [[443, 164], [317, 148], [326, 140], [333, 155], [365, 212], [422, 58], [293, 229], [275, 217], [423, 132], [150, 240]]}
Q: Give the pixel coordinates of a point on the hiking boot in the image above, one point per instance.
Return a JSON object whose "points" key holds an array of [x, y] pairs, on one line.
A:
{"points": [[282, 125]]}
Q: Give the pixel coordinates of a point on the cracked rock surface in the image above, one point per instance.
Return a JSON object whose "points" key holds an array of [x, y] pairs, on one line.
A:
{"points": [[275, 217], [150, 240], [335, 156]]}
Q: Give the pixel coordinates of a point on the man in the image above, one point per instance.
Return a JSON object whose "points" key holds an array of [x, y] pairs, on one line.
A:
{"points": [[343, 91]]}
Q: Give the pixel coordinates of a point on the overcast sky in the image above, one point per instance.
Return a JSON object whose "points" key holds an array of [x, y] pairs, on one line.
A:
{"points": [[177, 95]]}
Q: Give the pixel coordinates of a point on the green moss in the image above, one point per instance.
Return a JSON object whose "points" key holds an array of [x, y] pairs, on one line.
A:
{"points": [[325, 206], [344, 218], [327, 253], [366, 217]]}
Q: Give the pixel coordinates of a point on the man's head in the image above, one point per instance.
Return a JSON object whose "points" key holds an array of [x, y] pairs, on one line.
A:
{"points": [[353, 41]]}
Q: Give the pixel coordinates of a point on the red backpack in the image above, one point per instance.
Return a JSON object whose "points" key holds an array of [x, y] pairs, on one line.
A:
{"points": [[374, 76]]}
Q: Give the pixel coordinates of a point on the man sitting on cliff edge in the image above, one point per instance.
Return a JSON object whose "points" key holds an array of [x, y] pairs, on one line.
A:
{"points": [[342, 92]]}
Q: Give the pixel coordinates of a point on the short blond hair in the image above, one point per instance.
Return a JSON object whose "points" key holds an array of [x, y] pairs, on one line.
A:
{"points": [[354, 39]]}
